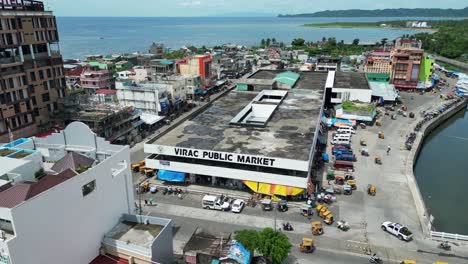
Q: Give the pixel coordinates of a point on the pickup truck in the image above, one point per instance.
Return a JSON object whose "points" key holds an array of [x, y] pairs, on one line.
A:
{"points": [[397, 230]]}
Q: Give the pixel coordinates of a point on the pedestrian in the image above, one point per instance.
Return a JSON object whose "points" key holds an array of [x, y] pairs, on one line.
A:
{"points": [[146, 202], [180, 196], [151, 201], [388, 149]]}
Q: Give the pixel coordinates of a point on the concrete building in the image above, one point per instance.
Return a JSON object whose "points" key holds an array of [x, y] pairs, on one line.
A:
{"points": [[197, 65], [347, 86], [378, 62], [262, 139], [326, 64], [427, 69], [83, 195], [93, 80], [159, 96], [114, 123], [406, 63], [32, 80], [157, 49], [72, 78]]}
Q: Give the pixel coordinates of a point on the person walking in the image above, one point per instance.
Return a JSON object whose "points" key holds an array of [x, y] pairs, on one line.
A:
{"points": [[388, 149]]}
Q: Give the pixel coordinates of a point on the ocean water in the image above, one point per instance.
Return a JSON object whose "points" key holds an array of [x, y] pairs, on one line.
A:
{"points": [[444, 186], [80, 36]]}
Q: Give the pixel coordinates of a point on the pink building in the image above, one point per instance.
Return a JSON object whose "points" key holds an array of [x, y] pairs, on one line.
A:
{"points": [[100, 79]]}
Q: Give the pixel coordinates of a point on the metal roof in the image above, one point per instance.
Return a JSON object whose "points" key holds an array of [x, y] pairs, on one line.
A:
{"points": [[289, 78]]}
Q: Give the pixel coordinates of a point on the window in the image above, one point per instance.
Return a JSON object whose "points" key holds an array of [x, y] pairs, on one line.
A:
{"points": [[88, 188], [49, 73], [41, 75], [45, 97], [33, 100], [11, 83]]}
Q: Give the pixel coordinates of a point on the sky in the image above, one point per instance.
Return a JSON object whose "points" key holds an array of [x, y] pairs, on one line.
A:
{"points": [[158, 8]]}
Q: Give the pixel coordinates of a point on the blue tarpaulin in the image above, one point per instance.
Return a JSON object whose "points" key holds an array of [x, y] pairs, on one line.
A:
{"points": [[238, 253], [172, 176]]}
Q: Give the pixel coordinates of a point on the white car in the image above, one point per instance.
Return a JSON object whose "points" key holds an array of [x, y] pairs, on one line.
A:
{"points": [[397, 230], [237, 206]]}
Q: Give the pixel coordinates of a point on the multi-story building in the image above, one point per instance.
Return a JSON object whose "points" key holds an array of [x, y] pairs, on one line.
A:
{"points": [[406, 63], [325, 64], [114, 123], [96, 79], [78, 205], [72, 78], [378, 62], [197, 65], [159, 96], [31, 68]]}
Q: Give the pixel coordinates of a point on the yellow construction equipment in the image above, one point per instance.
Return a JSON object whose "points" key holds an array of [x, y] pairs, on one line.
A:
{"points": [[307, 245], [317, 229], [142, 169], [328, 219], [319, 207], [136, 166], [352, 183], [322, 212]]}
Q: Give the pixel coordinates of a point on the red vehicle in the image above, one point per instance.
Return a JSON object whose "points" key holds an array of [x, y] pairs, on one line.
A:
{"points": [[343, 165]]}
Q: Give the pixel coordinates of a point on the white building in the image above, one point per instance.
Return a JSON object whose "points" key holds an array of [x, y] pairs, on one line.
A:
{"points": [[146, 97], [241, 139], [63, 217], [348, 86]]}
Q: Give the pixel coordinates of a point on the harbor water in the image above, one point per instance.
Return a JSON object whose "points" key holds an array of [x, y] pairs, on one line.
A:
{"points": [[80, 36], [441, 171]]}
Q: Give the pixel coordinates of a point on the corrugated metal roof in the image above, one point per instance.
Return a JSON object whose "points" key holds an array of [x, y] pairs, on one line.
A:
{"points": [[289, 78]]}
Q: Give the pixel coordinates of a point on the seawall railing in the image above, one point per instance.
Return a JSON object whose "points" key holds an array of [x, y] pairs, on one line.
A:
{"points": [[448, 236]]}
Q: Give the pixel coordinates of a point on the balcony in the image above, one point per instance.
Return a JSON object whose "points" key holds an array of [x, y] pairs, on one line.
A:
{"points": [[8, 60], [23, 5]]}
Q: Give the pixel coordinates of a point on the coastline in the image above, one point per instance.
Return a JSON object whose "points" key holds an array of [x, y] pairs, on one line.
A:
{"points": [[338, 25], [422, 212]]}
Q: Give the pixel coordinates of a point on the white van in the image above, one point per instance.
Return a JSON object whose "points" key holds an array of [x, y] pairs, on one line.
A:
{"points": [[346, 130], [214, 203], [339, 141], [345, 136]]}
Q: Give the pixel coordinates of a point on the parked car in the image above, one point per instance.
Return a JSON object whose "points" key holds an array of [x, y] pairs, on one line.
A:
{"points": [[398, 230], [237, 206], [215, 203], [346, 130]]}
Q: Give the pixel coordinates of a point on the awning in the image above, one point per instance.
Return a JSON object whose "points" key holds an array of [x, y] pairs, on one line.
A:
{"points": [[273, 189], [150, 119], [172, 176]]}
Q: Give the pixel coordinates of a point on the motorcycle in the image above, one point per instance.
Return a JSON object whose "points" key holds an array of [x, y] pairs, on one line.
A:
{"points": [[287, 227], [375, 259], [445, 245], [165, 191]]}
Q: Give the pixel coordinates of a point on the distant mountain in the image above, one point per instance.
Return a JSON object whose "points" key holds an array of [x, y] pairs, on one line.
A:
{"points": [[243, 14], [400, 12]]}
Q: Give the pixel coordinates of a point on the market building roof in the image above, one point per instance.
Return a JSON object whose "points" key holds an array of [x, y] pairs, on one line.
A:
{"points": [[288, 134]]}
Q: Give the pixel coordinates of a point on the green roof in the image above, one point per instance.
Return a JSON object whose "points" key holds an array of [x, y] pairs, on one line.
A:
{"points": [[289, 78], [377, 75], [166, 62]]}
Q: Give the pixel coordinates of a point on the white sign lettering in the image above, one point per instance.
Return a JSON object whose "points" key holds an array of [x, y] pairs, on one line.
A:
{"points": [[221, 156]]}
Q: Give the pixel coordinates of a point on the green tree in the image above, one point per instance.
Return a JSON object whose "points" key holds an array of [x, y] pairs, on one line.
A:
{"points": [[298, 42], [383, 41], [324, 39], [356, 42], [268, 42], [273, 40], [273, 245], [263, 43], [248, 238]]}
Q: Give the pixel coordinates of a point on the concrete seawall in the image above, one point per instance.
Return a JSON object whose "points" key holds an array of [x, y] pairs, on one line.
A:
{"points": [[424, 216]]}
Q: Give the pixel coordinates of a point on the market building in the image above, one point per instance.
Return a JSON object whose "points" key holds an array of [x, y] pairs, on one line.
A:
{"points": [[263, 139]]}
